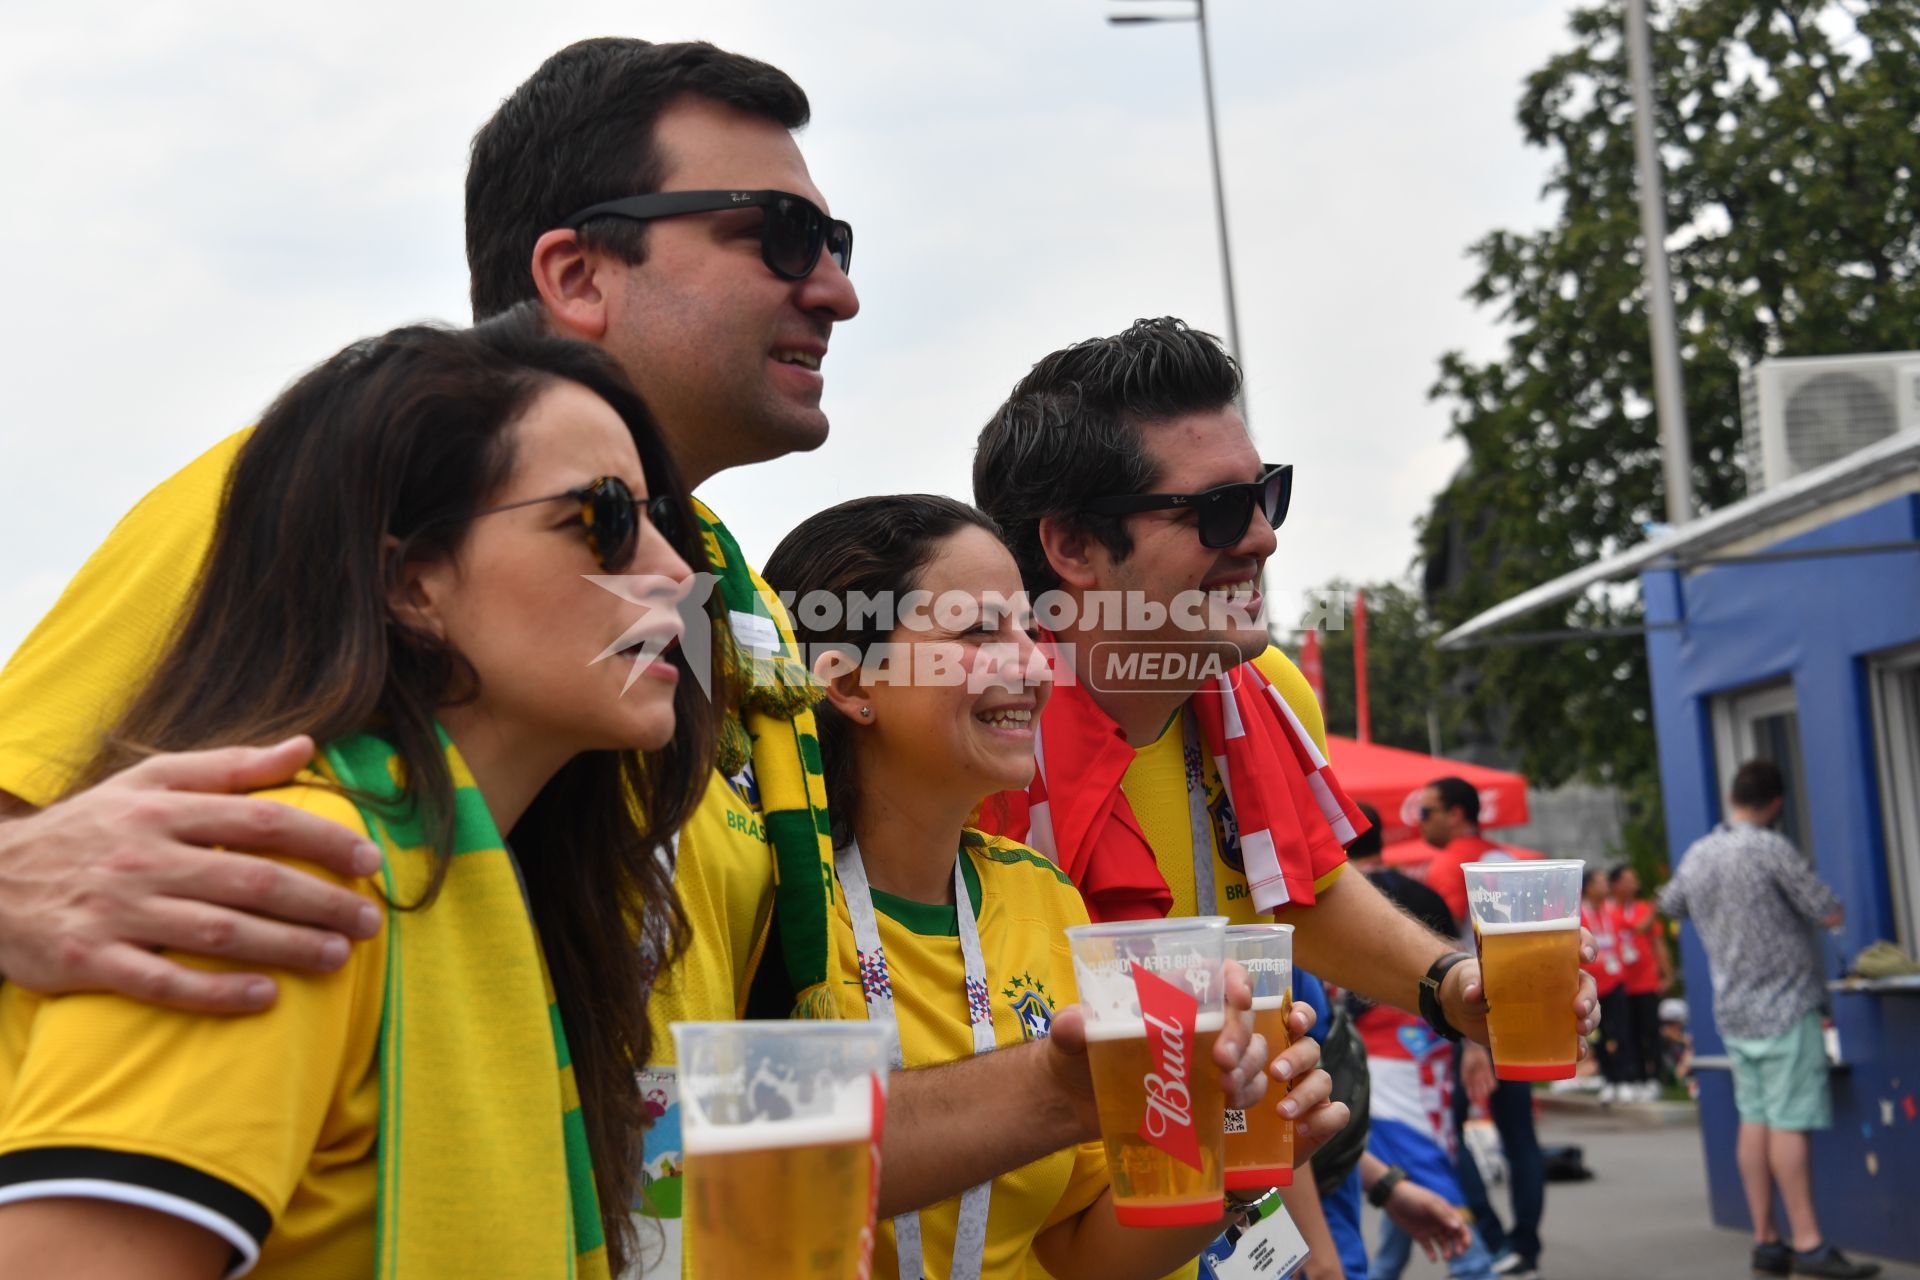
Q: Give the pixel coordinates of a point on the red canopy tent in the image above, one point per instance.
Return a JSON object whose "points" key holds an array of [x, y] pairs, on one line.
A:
{"points": [[1391, 780]]}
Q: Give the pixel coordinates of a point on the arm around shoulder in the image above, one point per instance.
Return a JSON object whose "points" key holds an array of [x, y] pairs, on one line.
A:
{"points": [[94, 886]]}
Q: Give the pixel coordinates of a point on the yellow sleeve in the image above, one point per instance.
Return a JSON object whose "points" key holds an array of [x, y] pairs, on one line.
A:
{"points": [[75, 673], [212, 1119], [1278, 667], [1328, 877]]}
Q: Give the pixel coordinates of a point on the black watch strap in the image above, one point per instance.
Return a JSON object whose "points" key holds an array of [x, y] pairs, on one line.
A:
{"points": [[1378, 1193], [1430, 1008]]}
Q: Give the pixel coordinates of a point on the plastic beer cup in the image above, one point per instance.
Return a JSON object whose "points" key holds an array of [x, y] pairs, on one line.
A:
{"points": [[1154, 993], [1526, 928], [1259, 1141], [780, 1126]]}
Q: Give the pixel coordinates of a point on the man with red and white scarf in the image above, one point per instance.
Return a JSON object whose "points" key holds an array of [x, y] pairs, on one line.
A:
{"points": [[1182, 766]]}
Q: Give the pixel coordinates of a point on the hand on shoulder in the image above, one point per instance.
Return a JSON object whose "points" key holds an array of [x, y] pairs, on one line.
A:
{"points": [[91, 886]]}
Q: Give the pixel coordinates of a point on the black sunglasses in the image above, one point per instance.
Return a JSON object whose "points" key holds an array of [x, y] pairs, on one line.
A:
{"points": [[611, 516], [791, 237], [1222, 513]]}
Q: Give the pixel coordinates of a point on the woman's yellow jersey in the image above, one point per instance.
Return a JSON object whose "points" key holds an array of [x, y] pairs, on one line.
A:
{"points": [[1023, 905], [259, 1128]]}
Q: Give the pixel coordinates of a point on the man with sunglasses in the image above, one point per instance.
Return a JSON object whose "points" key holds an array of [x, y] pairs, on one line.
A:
{"points": [[650, 199], [1182, 757]]}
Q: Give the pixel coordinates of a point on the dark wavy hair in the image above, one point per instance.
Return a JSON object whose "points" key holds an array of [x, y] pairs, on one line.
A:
{"points": [[400, 439], [579, 131], [873, 546], [1071, 432]]}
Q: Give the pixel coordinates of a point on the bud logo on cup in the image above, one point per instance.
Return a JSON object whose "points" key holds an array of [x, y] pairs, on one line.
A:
{"points": [[1171, 1016]]}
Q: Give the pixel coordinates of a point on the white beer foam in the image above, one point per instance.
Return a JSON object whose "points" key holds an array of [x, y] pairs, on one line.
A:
{"points": [[1136, 1028], [1529, 926], [763, 1135]]}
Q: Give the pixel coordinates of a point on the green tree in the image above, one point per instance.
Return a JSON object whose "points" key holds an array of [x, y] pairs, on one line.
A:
{"points": [[1401, 666], [1790, 139]]}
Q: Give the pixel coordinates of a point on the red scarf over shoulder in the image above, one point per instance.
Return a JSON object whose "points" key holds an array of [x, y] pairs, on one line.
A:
{"points": [[1291, 812]]}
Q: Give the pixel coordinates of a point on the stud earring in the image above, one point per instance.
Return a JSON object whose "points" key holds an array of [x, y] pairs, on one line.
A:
{"points": [[866, 711]]}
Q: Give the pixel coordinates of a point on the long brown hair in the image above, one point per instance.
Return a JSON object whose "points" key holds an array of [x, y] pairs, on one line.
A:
{"points": [[374, 460]]}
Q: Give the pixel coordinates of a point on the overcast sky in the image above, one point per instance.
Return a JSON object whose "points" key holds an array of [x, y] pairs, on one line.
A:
{"points": [[203, 199]]}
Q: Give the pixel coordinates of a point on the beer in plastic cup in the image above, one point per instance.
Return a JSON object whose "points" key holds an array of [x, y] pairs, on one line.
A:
{"points": [[1154, 993], [1526, 928], [781, 1125], [1259, 1141]]}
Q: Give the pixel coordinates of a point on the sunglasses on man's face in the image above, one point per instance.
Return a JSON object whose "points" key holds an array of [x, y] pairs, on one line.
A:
{"points": [[1222, 514], [792, 233], [611, 516]]}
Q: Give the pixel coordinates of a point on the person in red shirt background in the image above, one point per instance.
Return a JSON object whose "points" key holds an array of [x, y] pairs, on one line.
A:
{"points": [[1646, 968], [1616, 1031], [1450, 822]]}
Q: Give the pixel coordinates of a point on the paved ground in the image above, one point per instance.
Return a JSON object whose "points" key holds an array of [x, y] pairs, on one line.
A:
{"points": [[1644, 1214]]}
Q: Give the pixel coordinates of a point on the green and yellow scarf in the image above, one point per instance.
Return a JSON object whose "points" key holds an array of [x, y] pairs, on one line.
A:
{"points": [[773, 726], [483, 1161]]}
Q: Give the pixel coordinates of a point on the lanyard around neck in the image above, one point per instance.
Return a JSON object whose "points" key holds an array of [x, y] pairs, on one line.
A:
{"points": [[1194, 761], [876, 984]]}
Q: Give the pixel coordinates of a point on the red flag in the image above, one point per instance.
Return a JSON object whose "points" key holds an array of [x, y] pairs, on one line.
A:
{"points": [[1310, 668], [1363, 721]]}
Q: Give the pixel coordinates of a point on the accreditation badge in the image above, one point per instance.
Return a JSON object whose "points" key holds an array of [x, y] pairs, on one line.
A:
{"points": [[1267, 1247], [658, 1191]]}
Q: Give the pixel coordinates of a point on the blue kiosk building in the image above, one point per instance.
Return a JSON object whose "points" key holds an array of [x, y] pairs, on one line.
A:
{"points": [[1787, 626]]}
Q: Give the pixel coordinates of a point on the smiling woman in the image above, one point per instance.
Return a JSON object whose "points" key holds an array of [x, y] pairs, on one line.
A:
{"points": [[402, 570], [929, 708]]}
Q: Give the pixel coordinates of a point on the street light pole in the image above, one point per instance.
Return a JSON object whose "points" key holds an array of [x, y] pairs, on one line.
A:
{"points": [[1219, 190], [1669, 398], [1199, 18]]}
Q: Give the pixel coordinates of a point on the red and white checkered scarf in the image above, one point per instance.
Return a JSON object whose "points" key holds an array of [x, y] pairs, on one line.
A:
{"points": [[1287, 803]]}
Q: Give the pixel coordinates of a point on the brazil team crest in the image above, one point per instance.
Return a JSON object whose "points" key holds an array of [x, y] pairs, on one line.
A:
{"points": [[1031, 1004], [1226, 831]]}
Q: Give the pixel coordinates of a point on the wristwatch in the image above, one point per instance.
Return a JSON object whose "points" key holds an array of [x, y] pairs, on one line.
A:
{"points": [[1379, 1193], [1430, 1007]]}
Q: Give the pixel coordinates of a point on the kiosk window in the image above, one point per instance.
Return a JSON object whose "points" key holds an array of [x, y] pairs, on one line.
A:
{"points": [[1895, 684]]}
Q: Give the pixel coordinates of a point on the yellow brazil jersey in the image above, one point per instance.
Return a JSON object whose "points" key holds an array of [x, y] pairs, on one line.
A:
{"points": [[1156, 789], [724, 876], [260, 1129], [1023, 906], [77, 671]]}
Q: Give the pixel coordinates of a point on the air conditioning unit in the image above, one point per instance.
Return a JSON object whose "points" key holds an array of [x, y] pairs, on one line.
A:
{"points": [[1799, 413]]}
